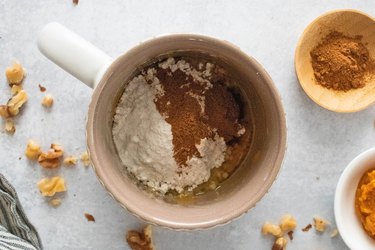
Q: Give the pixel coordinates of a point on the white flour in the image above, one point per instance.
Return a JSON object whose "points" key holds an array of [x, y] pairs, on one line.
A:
{"points": [[144, 141]]}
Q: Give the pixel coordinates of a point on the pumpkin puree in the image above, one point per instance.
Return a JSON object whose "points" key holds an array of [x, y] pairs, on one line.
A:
{"points": [[365, 202]]}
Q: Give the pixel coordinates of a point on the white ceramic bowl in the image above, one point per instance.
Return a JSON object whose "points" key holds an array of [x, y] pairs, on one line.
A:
{"points": [[348, 223]]}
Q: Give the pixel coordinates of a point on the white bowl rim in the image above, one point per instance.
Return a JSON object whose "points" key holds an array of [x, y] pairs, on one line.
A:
{"points": [[350, 228]]}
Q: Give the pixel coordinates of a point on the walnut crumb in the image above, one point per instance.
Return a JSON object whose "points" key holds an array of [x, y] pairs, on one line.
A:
{"points": [[320, 224], [10, 128], [273, 229], [41, 88], [47, 101], [32, 150], [288, 223], [290, 235], [12, 108], [89, 217], [140, 240], [51, 158], [75, 2], [15, 73], [70, 160], [55, 202], [280, 244], [307, 228], [334, 233], [85, 158], [16, 89], [51, 186]]}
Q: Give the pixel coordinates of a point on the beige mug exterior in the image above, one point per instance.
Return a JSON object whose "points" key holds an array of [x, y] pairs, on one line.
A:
{"points": [[250, 181]]}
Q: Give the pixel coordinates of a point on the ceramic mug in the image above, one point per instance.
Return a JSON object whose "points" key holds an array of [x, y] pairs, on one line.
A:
{"points": [[108, 77]]}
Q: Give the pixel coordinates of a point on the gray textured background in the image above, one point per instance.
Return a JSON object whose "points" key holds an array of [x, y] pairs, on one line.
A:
{"points": [[320, 143]]}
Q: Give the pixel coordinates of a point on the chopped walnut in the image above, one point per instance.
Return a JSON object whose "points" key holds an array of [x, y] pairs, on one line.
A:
{"points": [[334, 233], [41, 88], [288, 223], [10, 128], [32, 150], [51, 186], [4, 112], [75, 2], [89, 217], [70, 160], [51, 158], [280, 244], [320, 224], [85, 158], [273, 229], [15, 73], [47, 101], [16, 102], [307, 228], [55, 202], [290, 235], [140, 240], [16, 89]]}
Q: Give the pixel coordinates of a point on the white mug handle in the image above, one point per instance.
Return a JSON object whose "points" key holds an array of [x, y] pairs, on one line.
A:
{"points": [[73, 53]]}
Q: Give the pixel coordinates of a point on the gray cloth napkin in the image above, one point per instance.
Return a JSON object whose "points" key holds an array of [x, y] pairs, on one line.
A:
{"points": [[16, 231]]}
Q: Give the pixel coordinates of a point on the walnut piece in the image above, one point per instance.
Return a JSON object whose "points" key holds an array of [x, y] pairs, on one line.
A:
{"points": [[51, 186], [32, 150], [55, 202], [273, 229], [85, 158], [288, 223], [12, 108], [16, 102], [280, 244], [307, 228], [41, 88], [89, 217], [70, 160], [334, 233], [10, 128], [140, 240], [15, 73], [16, 89], [51, 158], [47, 101], [320, 224]]}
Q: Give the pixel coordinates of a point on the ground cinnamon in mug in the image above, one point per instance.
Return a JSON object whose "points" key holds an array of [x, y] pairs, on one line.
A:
{"points": [[197, 108], [341, 62]]}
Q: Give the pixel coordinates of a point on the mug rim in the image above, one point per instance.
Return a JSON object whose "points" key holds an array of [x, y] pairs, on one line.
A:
{"points": [[210, 223]]}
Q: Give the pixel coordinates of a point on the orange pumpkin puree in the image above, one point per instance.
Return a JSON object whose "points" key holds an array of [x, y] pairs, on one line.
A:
{"points": [[365, 202]]}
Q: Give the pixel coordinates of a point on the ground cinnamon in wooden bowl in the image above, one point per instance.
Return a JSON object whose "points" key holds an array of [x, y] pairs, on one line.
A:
{"points": [[334, 60], [341, 62]]}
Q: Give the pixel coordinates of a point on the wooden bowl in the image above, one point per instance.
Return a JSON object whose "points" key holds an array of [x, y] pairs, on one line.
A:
{"points": [[351, 23]]}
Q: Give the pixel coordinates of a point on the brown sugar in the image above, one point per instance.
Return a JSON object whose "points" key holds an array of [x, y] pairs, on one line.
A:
{"points": [[341, 62]]}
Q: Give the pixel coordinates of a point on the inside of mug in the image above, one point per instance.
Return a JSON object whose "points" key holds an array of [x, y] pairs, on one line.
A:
{"points": [[256, 172]]}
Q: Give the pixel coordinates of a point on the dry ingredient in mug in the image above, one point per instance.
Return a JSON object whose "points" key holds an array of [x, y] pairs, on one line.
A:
{"points": [[341, 62], [175, 122]]}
